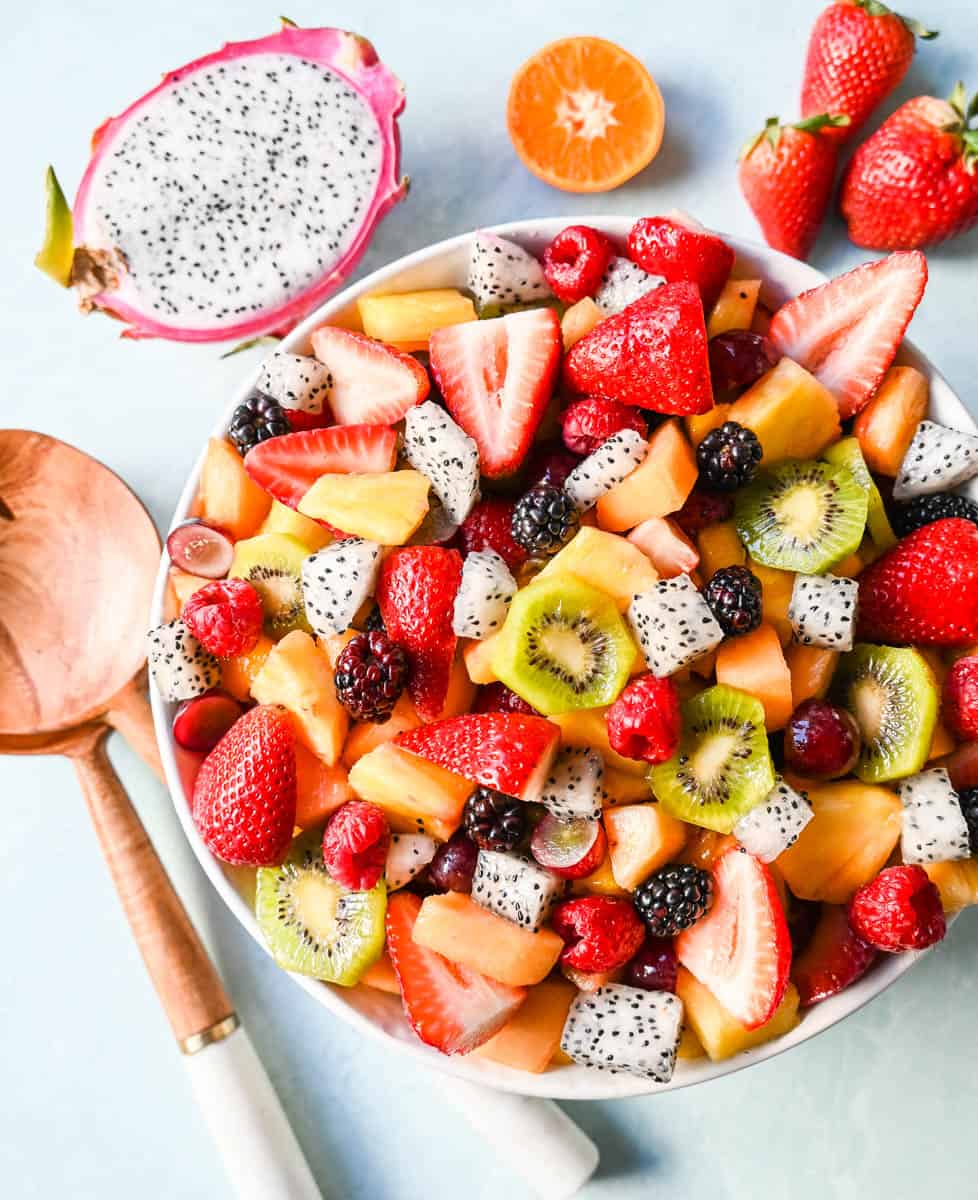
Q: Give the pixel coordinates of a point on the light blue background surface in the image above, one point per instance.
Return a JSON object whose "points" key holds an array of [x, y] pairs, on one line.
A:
{"points": [[93, 1102]]}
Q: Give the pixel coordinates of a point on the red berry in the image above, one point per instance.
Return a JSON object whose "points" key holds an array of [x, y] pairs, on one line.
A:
{"points": [[575, 261], [821, 740], [453, 866], [572, 849], [677, 251], [739, 358], [703, 508], [899, 910], [496, 697], [355, 844], [601, 932], [489, 526], [960, 710], [550, 463], [589, 422], [200, 723], [225, 617], [644, 722], [654, 967]]}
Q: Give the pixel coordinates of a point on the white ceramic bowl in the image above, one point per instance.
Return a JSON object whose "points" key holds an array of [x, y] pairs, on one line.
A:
{"points": [[444, 265]]}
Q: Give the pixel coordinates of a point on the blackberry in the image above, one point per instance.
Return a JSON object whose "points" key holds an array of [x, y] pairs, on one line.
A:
{"points": [[968, 799], [734, 595], [728, 457], [371, 672], [257, 420], [674, 898], [493, 820], [924, 510], [544, 519], [374, 622]]}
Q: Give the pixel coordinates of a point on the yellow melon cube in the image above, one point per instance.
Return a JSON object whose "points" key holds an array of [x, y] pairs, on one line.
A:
{"points": [[416, 795], [607, 562], [528, 1041], [408, 319], [735, 307], [641, 839], [385, 507], [722, 1035], [286, 520], [793, 415], [297, 675]]}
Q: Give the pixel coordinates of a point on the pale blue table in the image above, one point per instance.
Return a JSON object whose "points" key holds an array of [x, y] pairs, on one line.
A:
{"points": [[93, 1102]]}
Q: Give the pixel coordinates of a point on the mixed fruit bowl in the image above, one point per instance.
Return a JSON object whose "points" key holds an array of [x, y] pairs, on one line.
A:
{"points": [[568, 652]]}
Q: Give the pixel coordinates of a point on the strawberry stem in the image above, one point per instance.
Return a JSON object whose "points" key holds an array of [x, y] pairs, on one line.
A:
{"points": [[875, 8], [823, 121]]}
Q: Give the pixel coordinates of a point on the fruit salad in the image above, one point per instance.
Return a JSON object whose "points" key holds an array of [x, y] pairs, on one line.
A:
{"points": [[588, 657]]}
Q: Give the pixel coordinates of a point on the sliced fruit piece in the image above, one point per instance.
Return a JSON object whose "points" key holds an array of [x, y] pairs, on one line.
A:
{"points": [[380, 975], [529, 1040], [465, 933], [311, 924], [690, 1046], [854, 831], [723, 766], [848, 454], [802, 516], [365, 736], [741, 950], [272, 564], [720, 1034], [373, 384], [579, 320], [957, 882], [201, 722], [668, 549], [846, 331], [621, 788], [776, 591], [417, 796], [461, 692], [658, 487], [285, 520], [448, 1006], [811, 669], [385, 508], [834, 957], [793, 415], [588, 729], [564, 646], [704, 847], [320, 789], [238, 674], [641, 839], [606, 562], [894, 697], [297, 675], [735, 306], [184, 585], [600, 882], [228, 498], [477, 657], [754, 663], [719, 546], [200, 550], [885, 427], [408, 319]]}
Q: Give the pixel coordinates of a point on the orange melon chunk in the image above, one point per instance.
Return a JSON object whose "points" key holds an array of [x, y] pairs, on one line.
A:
{"points": [[885, 427], [641, 839], [956, 881], [238, 674], [812, 668], [320, 789], [529, 1040], [228, 497], [657, 487], [297, 675], [720, 546], [754, 663]]}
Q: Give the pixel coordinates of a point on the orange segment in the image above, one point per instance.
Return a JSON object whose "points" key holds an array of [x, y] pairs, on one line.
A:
{"points": [[584, 115]]}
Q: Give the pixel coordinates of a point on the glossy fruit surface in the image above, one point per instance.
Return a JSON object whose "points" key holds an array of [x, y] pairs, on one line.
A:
{"points": [[821, 740], [199, 724], [739, 358], [199, 549], [571, 848]]}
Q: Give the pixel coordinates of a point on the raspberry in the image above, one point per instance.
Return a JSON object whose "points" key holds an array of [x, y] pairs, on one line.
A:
{"points": [[589, 422], [225, 617], [496, 697], [575, 261], [960, 709], [899, 910], [703, 508], [371, 672], [601, 933], [355, 844], [654, 967], [489, 526], [644, 722], [544, 519], [821, 740], [728, 457], [674, 898], [734, 595], [493, 820]]}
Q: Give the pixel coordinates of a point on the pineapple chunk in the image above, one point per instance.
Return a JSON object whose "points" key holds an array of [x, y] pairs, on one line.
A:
{"points": [[286, 520], [885, 427], [417, 796], [238, 674], [407, 320], [365, 736], [720, 546], [601, 881], [735, 307], [228, 497], [297, 675], [956, 881], [587, 728], [690, 1045], [385, 507], [607, 562], [528, 1041], [579, 320], [621, 788], [793, 415], [641, 839], [720, 1034]]}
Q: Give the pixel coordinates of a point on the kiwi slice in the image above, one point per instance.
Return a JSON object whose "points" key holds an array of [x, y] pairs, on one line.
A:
{"points": [[848, 454], [723, 766], [312, 924], [563, 646], [892, 693], [802, 516], [272, 563]]}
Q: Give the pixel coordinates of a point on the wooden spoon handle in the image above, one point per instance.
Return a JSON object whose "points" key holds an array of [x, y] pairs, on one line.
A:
{"points": [[130, 714], [186, 982]]}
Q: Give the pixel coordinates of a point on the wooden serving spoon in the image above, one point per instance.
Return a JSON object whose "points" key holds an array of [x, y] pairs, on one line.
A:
{"points": [[78, 559]]}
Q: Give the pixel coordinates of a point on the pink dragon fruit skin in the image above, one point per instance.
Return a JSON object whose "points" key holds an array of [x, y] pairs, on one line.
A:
{"points": [[351, 58]]}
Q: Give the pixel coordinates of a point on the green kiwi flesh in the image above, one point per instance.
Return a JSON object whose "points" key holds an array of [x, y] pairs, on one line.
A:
{"points": [[848, 454], [272, 564]]}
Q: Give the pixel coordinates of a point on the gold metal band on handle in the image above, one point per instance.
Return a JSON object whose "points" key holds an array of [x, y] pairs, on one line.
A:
{"points": [[207, 1037]]}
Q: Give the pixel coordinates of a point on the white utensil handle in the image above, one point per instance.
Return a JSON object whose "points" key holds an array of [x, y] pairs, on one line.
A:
{"points": [[536, 1139], [262, 1158]]}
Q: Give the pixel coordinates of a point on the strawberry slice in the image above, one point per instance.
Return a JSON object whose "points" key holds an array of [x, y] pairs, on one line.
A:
{"points": [[287, 466], [834, 958], [741, 949], [497, 377], [847, 331], [508, 751], [449, 1006], [416, 595], [372, 383]]}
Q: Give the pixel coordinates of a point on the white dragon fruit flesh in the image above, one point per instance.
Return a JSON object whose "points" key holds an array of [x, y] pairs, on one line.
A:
{"points": [[622, 1028], [623, 281], [484, 595], [673, 625], [573, 787], [501, 272], [934, 828], [336, 581], [938, 459], [774, 824], [180, 666], [515, 888], [823, 611], [407, 857], [236, 195], [613, 461], [295, 382], [447, 456]]}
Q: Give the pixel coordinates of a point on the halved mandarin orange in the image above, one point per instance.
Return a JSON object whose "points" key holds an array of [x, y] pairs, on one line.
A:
{"points": [[585, 115]]}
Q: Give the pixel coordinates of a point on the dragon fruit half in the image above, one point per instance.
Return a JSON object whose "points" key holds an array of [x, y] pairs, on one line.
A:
{"points": [[235, 196]]}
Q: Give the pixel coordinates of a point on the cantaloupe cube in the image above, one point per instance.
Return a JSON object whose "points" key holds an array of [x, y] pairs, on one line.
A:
{"points": [[641, 839], [941, 742], [607, 562], [793, 415], [477, 657], [320, 789], [851, 566], [754, 663], [854, 831], [719, 546], [381, 976], [454, 926], [286, 520], [722, 1035], [735, 307], [297, 675], [365, 736], [587, 728], [776, 589], [690, 1046], [622, 788], [956, 881], [705, 666], [601, 881], [461, 692], [812, 668], [333, 644], [886, 426], [228, 497], [657, 487], [528, 1041], [698, 425], [238, 674], [704, 846], [416, 795], [668, 549], [385, 507], [408, 319], [184, 585], [579, 320]]}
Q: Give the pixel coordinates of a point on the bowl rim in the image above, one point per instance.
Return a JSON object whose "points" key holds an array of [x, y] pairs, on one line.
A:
{"points": [[564, 1082]]}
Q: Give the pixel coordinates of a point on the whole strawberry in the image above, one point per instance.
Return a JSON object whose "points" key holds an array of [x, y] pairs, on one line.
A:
{"points": [[786, 174], [858, 52], [245, 792], [915, 181]]}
